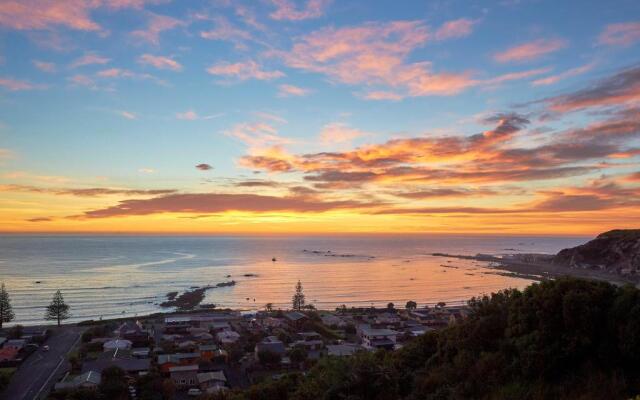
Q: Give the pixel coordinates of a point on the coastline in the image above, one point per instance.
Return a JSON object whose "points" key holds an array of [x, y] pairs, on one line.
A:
{"points": [[541, 270]]}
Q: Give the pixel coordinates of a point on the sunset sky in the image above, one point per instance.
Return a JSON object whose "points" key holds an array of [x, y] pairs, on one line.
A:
{"points": [[317, 116]]}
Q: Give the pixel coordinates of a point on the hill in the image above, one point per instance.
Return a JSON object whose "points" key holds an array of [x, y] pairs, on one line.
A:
{"points": [[562, 339], [616, 250]]}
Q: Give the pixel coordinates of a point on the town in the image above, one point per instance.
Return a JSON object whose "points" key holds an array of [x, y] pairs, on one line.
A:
{"points": [[205, 351]]}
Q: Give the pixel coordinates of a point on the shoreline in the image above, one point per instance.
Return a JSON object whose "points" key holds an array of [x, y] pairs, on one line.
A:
{"points": [[529, 270]]}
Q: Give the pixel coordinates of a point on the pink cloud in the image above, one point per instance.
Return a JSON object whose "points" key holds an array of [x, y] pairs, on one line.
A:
{"points": [[243, 71], [157, 24], [258, 135], [622, 34], [516, 76], [455, 29], [531, 50], [382, 95], [550, 80], [46, 14], [291, 90], [128, 115], [286, 10], [17, 85], [160, 62], [81, 80], [89, 59], [189, 115], [224, 30], [43, 14], [44, 66]]}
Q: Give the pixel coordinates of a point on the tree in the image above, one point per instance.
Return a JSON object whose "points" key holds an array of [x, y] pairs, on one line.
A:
{"points": [[267, 357], [298, 354], [113, 383], [268, 307], [298, 298], [58, 310], [16, 332], [6, 312], [390, 307], [411, 305], [441, 304]]}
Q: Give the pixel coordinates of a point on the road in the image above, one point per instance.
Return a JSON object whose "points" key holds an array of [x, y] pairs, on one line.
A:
{"points": [[41, 370]]}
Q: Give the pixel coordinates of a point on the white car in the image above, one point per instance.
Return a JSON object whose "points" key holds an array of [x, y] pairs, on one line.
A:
{"points": [[45, 347], [194, 392]]}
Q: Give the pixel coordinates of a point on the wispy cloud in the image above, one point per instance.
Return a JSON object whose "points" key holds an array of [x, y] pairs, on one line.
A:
{"points": [[550, 80], [156, 25], [621, 34], [45, 66], [455, 29], [89, 59], [286, 90], [338, 133], [188, 115], [128, 114], [17, 84], [287, 10], [160, 62], [531, 50], [242, 71]]}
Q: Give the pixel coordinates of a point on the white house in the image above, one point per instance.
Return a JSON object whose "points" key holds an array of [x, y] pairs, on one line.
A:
{"points": [[373, 338]]}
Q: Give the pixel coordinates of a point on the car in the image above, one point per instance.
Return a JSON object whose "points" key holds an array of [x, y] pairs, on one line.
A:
{"points": [[194, 392], [45, 347]]}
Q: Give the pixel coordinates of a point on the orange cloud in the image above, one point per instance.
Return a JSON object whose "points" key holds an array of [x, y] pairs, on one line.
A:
{"points": [[160, 62], [531, 50], [286, 10], [337, 133], [243, 70], [622, 34]]}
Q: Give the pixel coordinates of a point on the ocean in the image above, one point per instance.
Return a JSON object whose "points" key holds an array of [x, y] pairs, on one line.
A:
{"points": [[117, 276]]}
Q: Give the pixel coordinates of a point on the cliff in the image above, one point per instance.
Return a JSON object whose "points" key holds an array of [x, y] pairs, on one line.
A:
{"points": [[617, 250]]}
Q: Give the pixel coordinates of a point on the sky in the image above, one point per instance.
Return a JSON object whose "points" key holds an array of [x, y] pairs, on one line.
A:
{"points": [[319, 116]]}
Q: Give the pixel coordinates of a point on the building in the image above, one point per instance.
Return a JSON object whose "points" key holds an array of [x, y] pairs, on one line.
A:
{"points": [[373, 338], [270, 344], [343, 350], [167, 361], [184, 376], [87, 380], [295, 319], [212, 381], [17, 344], [118, 344], [133, 332], [227, 337]]}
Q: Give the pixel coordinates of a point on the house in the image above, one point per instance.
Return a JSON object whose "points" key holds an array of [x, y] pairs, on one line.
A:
{"points": [[17, 344], [133, 332], [270, 344], [35, 334], [121, 359], [184, 376], [120, 344], [207, 351], [167, 361], [295, 318], [343, 350], [332, 320], [8, 355], [219, 326], [87, 380], [309, 340], [212, 380], [373, 338], [140, 352], [227, 337]]}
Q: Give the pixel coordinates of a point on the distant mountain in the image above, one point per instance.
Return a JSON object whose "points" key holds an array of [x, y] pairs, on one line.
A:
{"points": [[617, 250]]}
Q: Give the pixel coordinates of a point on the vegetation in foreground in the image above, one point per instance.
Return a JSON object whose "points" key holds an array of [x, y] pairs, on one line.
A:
{"points": [[562, 339]]}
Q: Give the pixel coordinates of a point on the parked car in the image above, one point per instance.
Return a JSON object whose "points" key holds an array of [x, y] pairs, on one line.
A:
{"points": [[45, 347], [194, 392]]}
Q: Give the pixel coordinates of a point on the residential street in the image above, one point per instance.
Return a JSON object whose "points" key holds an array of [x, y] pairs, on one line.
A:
{"points": [[42, 369]]}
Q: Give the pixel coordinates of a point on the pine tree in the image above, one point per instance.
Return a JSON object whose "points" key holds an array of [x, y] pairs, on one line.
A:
{"points": [[58, 309], [6, 312], [298, 298]]}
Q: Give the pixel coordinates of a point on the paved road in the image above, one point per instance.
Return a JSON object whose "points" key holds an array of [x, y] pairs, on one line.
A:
{"points": [[37, 375]]}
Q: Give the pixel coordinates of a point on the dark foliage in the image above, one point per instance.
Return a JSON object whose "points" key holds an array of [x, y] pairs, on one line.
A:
{"points": [[562, 339]]}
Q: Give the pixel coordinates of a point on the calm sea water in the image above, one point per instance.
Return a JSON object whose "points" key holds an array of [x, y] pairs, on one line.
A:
{"points": [[115, 276]]}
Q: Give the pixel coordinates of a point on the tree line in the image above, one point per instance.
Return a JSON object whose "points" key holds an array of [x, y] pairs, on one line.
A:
{"points": [[57, 310]]}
